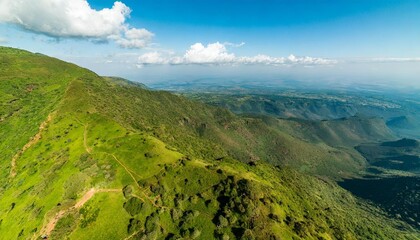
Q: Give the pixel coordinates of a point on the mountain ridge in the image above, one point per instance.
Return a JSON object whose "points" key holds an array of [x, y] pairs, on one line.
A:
{"points": [[172, 184]]}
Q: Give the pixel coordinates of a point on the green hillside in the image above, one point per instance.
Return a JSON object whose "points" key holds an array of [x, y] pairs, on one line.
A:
{"points": [[284, 105], [406, 126], [215, 133], [392, 180], [400, 112], [345, 132], [403, 154], [86, 157]]}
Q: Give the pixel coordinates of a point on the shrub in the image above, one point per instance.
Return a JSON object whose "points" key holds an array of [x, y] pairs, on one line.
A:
{"points": [[89, 215], [134, 225], [248, 235], [133, 206], [152, 223], [176, 214], [195, 233], [74, 185], [222, 221], [127, 190]]}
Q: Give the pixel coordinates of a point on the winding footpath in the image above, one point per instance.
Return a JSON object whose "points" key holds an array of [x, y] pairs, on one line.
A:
{"points": [[29, 144], [49, 227]]}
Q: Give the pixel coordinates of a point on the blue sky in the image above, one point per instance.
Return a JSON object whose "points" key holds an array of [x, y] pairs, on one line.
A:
{"points": [[152, 40], [326, 28]]}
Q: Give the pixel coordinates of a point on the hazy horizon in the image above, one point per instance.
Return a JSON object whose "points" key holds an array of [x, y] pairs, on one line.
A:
{"points": [[340, 43]]}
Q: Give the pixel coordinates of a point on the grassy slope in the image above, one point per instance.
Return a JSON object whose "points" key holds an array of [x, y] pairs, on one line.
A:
{"points": [[347, 132], [196, 128], [319, 120], [107, 135], [31, 85], [403, 155], [279, 106], [399, 113]]}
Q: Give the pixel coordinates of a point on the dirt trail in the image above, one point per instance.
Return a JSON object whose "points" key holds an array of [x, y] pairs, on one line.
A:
{"points": [[133, 234], [130, 172], [126, 169], [47, 229], [31, 142]]}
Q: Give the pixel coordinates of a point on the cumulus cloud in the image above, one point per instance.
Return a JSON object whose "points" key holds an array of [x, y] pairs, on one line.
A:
{"points": [[75, 19], [133, 38], [153, 58], [212, 53], [217, 54], [3, 40]]}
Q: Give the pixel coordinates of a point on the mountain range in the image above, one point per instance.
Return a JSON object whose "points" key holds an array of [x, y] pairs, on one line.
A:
{"points": [[90, 157]]}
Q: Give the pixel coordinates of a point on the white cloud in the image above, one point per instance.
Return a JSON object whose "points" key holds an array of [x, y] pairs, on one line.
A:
{"points": [[152, 58], [262, 59], [75, 18], [214, 53], [133, 38], [217, 54], [290, 60]]}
